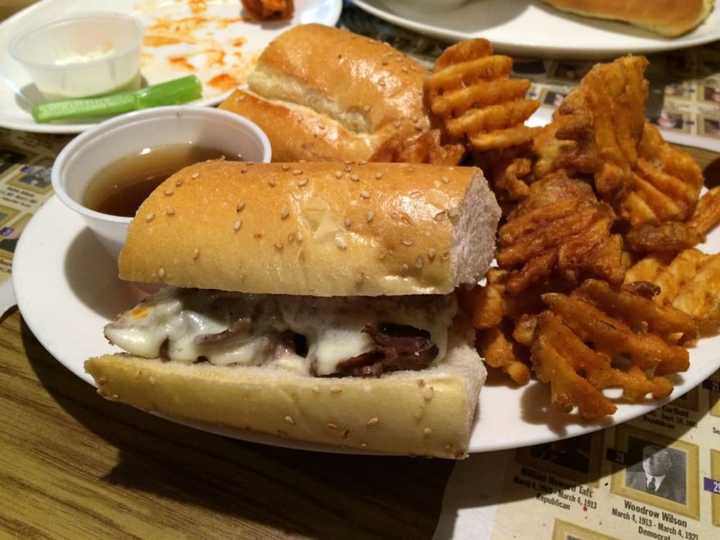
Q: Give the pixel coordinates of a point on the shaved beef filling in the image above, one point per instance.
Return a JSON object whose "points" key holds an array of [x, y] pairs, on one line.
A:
{"points": [[398, 347]]}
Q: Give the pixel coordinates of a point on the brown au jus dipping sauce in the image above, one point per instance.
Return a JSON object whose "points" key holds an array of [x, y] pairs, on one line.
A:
{"points": [[121, 187]]}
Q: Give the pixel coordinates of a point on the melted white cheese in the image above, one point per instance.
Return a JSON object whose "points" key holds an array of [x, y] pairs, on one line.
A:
{"points": [[243, 329]]}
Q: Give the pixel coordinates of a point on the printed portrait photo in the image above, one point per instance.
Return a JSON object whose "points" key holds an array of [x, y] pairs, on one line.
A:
{"points": [[712, 93], [658, 471], [679, 90], [562, 530], [710, 127], [10, 234], [7, 214], [35, 178], [575, 459], [670, 120], [9, 157]]}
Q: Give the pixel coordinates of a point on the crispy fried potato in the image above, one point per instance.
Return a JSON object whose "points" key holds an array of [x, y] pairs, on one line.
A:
{"points": [[598, 127], [470, 90], [667, 182], [707, 212], [427, 147], [560, 227], [577, 374], [500, 352], [689, 283], [611, 336], [666, 238], [509, 172]]}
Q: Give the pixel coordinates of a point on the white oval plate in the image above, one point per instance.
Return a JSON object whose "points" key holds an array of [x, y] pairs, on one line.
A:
{"points": [[525, 27], [67, 290], [221, 33]]}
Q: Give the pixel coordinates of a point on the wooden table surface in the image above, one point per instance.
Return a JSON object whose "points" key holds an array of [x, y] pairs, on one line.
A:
{"points": [[73, 465]]}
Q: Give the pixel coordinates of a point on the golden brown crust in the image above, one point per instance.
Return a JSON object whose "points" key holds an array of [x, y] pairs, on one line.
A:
{"points": [[299, 132], [666, 17], [320, 229], [321, 93], [427, 412]]}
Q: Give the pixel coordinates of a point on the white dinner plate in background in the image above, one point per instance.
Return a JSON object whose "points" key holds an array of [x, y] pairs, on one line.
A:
{"points": [[530, 27], [208, 38]]}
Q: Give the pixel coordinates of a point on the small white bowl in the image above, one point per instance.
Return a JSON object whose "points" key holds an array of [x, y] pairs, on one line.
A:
{"points": [[85, 55], [90, 152]]}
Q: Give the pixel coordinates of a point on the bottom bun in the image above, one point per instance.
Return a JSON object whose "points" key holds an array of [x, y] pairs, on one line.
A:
{"points": [[428, 413]]}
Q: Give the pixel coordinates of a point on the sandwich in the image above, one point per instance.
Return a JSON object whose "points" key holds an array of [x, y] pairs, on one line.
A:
{"points": [[311, 301], [325, 94], [670, 18]]}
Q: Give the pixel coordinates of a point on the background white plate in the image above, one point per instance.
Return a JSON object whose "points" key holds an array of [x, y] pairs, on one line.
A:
{"points": [[530, 27], [67, 290], [17, 94]]}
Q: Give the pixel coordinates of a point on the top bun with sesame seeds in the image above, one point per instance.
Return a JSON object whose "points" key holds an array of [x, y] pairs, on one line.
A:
{"points": [[326, 94], [317, 229], [310, 301]]}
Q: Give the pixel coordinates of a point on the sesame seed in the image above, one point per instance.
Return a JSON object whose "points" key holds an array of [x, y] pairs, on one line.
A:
{"points": [[407, 242], [291, 239], [299, 236], [170, 211], [332, 426], [428, 393], [370, 216], [179, 182], [150, 217], [363, 445], [161, 272], [354, 177], [272, 182], [453, 213], [194, 175], [436, 184], [240, 207], [316, 389], [289, 420], [385, 62], [373, 421], [297, 172], [285, 213], [285, 167], [340, 243], [335, 390], [196, 254], [445, 256], [303, 182], [431, 254], [338, 174], [347, 223], [419, 262], [405, 267], [365, 194], [397, 124], [421, 383], [378, 176], [348, 168], [278, 246], [257, 235], [427, 431], [439, 216], [366, 108], [381, 82], [445, 180], [237, 225], [363, 162], [243, 170], [382, 256], [404, 69]]}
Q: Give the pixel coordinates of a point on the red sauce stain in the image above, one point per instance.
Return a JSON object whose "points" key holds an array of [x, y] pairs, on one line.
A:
{"points": [[181, 62], [223, 82]]}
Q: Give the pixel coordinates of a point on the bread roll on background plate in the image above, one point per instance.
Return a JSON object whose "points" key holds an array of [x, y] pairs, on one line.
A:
{"points": [[667, 17], [324, 94], [314, 301]]}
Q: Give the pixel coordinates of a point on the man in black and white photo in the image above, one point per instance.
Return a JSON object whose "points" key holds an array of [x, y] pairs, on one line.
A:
{"points": [[661, 472]]}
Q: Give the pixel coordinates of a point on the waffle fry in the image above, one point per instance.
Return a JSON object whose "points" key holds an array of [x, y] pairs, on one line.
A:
{"points": [[667, 182], [707, 212], [471, 92], [500, 352], [560, 227], [689, 283]]}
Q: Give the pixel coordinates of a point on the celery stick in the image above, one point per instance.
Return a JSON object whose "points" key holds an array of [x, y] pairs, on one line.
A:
{"points": [[172, 92]]}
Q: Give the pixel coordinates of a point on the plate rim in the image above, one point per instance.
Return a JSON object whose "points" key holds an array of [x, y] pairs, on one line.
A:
{"points": [[55, 209]]}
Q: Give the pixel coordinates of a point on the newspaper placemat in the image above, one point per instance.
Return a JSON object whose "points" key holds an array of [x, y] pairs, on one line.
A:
{"points": [[656, 477], [25, 163]]}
